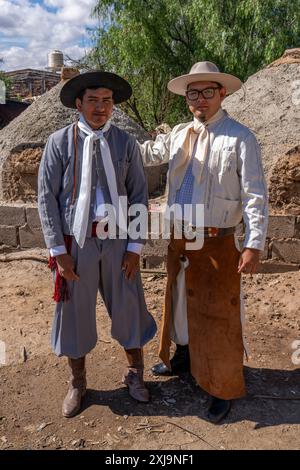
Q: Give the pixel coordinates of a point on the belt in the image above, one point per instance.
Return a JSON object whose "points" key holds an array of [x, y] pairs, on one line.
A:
{"points": [[210, 232], [218, 232]]}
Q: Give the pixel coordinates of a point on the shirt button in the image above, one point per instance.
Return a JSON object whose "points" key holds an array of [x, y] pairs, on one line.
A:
{"points": [[94, 187]]}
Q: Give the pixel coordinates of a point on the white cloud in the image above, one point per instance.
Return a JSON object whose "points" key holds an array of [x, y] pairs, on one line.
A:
{"points": [[29, 31]]}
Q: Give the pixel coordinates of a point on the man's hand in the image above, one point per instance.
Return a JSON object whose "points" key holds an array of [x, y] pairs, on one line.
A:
{"points": [[65, 265], [131, 265], [248, 261]]}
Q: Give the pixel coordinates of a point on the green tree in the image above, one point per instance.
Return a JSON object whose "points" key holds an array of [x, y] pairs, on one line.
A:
{"points": [[151, 41]]}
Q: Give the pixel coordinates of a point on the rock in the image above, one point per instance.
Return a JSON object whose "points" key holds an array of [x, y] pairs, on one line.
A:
{"points": [[24, 354], [78, 443], [43, 426]]}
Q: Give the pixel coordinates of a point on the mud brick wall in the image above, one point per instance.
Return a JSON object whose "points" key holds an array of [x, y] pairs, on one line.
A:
{"points": [[20, 227]]}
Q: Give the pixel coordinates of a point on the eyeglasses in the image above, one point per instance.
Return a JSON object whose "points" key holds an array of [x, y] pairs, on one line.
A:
{"points": [[207, 93]]}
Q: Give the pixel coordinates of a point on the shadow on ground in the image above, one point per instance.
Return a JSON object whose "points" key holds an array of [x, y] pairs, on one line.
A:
{"points": [[181, 397]]}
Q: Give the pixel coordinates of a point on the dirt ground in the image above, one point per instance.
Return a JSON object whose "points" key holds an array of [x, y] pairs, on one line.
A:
{"points": [[34, 381]]}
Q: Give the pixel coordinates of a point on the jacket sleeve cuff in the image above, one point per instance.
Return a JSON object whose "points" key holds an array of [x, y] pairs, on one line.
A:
{"points": [[58, 250], [135, 248]]}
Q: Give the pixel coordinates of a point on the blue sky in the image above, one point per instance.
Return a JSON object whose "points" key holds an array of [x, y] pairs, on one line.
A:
{"points": [[30, 29]]}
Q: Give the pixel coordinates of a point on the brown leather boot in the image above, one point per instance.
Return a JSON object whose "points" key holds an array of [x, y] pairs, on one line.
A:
{"points": [[77, 387], [133, 376]]}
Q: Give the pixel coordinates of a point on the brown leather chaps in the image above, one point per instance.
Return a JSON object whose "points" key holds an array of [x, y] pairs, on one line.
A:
{"points": [[213, 313]]}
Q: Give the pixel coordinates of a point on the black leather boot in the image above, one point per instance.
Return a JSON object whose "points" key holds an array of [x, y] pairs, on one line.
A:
{"points": [[218, 410], [180, 362]]}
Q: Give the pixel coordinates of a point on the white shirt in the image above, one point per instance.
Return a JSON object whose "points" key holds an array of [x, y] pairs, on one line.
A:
{"points": [[233, 184]]}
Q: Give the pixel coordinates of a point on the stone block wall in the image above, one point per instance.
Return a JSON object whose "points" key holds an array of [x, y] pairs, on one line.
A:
{"points": [[20, 227], [282, 244]]}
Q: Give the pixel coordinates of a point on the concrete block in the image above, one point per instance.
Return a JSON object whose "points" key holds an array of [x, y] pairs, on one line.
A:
{"points": [[272, 266], [286, 250], [281, 226], [33, 219], [265, 253], [12, 215], [156, 177], [156, 248], [154, 262], [31, 238], [8, 235]]}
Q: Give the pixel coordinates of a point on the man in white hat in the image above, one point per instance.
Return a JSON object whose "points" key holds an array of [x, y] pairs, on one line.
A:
{"points": [[86, 167], [214, 167]]}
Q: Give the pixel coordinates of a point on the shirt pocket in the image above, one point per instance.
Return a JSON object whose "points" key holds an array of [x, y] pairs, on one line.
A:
{"points": [[226, 162], [226, 212], [213, 163]]}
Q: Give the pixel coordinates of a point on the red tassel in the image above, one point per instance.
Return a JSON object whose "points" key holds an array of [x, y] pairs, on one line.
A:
{"points": [[61, 291]]}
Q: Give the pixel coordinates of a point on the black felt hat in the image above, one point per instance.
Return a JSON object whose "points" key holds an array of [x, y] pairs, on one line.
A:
{"points": [[70, 91]]}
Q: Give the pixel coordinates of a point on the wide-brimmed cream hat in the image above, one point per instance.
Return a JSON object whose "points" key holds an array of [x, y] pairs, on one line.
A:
{"points": [[204, 72]]}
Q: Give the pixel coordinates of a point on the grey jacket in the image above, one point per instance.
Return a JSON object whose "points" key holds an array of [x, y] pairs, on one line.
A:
{"points": [[56, 179]]}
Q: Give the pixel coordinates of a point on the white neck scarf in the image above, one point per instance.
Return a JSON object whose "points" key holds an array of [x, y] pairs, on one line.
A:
{"points": [[83, 205], [197, 131]]}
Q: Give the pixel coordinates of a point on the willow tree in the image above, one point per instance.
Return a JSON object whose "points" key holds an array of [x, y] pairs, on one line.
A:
{"points": [[151, 41]]}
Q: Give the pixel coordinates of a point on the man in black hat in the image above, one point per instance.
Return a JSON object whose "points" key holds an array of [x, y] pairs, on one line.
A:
{"points": [[87, 168]]}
